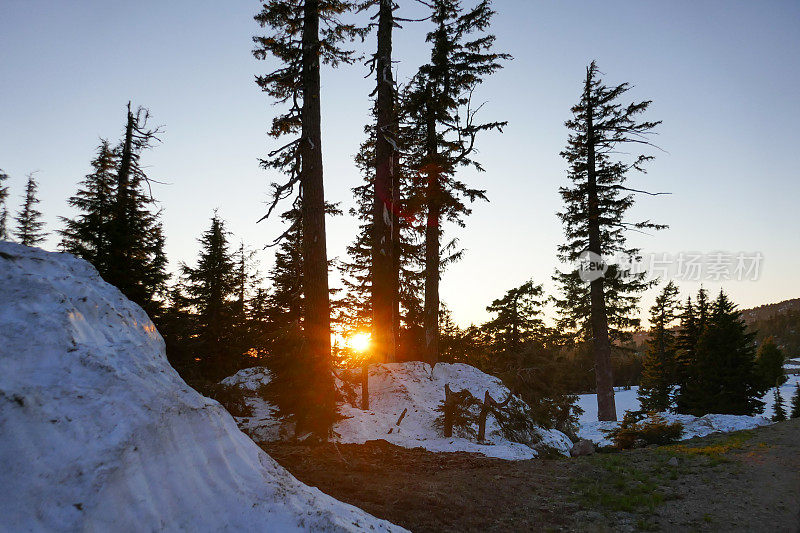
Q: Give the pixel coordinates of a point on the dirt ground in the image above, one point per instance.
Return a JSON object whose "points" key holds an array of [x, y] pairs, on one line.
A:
{"points": [[743, 481]]}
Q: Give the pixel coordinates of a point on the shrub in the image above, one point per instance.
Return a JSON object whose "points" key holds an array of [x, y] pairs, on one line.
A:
{"points": [[639, 429], [463, 408], [232, 398]]}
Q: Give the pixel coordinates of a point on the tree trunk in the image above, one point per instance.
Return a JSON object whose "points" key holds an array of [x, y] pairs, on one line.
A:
{"points": [[601, 344], [365, 386], [432, 238], [315, 258], [383, 216], [119, 245], [484, 414]]}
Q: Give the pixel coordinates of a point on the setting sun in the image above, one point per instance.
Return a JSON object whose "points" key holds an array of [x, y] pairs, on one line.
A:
{"points": [[358, 342]]}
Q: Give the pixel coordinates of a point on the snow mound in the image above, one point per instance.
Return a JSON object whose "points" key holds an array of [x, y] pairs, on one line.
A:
{"points": [[396, 388], [693, 426], [99, 433]]}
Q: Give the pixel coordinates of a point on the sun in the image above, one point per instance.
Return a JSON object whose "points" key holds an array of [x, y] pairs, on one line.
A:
{"points": [[359, 342]]}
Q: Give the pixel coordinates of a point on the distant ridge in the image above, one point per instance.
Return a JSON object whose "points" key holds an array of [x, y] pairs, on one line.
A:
{"points": [[763, 312]]}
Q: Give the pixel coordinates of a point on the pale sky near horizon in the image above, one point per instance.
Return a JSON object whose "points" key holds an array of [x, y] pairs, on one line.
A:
{"points": [[723, 77]]}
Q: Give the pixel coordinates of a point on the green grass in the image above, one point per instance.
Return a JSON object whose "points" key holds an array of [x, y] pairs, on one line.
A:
{"points": [[618, 485]]}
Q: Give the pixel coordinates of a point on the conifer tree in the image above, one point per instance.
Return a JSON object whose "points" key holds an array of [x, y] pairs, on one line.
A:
{"points": [[88, 235], [407, 254], [29, 223], [769, 364], [600, 307], [442, 129], [517, 319], [384, 227], [779, 411], [3, 209], [724, 378], [211, 291], [796, 402], [304, 34], [136, 262], [694, 320], [655, 388]]}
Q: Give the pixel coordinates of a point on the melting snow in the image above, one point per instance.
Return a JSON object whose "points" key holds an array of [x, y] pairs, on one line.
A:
{"points": [[99, 433], [411, 387]]}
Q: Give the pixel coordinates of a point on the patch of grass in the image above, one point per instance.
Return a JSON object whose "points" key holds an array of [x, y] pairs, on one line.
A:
{"points": [[618, 485], [715, 451]]}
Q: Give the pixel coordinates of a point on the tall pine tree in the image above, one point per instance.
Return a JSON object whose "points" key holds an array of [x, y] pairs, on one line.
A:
{"points": [[136, 264], [304, 34], [442, 130], [29, 220], [595, 222], [655, 387]]}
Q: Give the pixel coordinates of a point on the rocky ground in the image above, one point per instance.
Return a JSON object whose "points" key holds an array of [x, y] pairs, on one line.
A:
{"points": [[743, 481]]}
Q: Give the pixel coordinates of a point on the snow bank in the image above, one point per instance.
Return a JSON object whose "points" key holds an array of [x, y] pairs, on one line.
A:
{"points": [[411, 387], [99, 433], [693, 426]]}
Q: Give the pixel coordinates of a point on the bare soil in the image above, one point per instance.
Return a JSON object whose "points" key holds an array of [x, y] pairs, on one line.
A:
{"points": [[743, 481]]}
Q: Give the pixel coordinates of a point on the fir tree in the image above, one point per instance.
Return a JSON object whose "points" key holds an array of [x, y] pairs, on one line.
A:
{"points": [[357, 270], [442, 129], [769, 365], [724, 378], [211, 291], [517, 319], [88, 235], [600, 308], [796, 402], [136, 263], [658, 369], [384, 197], [3, 209], [303, 35], [779, 411], [29, 223], [694, 320]]}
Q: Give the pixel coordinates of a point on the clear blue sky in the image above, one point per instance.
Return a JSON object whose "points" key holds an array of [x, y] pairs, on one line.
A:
{"points": [[723, 75]]}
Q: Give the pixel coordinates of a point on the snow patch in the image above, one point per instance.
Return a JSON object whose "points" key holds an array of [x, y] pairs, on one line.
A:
{"points": [[99, 433], [693, 426], [412, 387]]}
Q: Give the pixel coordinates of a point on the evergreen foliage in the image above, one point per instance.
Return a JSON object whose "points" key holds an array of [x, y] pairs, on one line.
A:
{"points": [[723, 378], [655, 387], [118, 228], [210, 290], [796, 402], [517, 321], [779, 411], [769, 364], [302, 35], [441, 129], [594, 218], [88, 235], [29, 220]]}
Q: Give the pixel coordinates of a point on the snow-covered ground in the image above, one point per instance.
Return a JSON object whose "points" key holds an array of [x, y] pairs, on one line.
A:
{"points": [[411, 387], [626, 400], [99, 433]]}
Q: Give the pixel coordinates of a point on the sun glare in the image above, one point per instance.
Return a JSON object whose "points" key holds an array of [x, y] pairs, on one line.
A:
{"points": [[358, 342]]}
